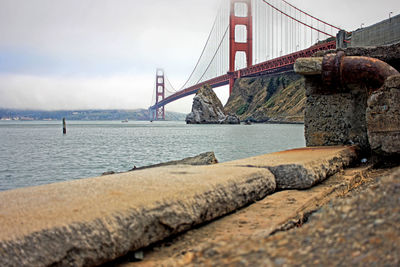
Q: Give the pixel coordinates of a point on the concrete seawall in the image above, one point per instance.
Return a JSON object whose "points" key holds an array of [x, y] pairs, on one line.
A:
{"points": [[386, 32], [91, 221]]}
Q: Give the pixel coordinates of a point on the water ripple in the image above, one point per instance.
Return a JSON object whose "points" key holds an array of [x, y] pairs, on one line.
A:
{"points": [[37, 153]]}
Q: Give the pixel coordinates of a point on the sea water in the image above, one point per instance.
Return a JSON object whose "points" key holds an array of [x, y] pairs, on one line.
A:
{"points": [[34, 153]]}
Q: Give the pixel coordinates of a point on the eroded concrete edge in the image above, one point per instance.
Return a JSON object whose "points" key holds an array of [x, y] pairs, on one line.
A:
{"points": [[340, 184], [104, 239], [306, 174]]}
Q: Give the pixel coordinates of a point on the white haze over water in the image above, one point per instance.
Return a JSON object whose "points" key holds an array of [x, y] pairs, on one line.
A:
{"points": [[102, 54]]}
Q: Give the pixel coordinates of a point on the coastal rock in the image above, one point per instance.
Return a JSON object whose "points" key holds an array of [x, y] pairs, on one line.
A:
{"points": [[207, 158], [231, 119], [271, 98], [383, 118], [208, 109]]}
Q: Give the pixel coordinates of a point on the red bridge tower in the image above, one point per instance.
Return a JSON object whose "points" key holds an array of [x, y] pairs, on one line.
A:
{"points": [[160, 95], [234, 46]]}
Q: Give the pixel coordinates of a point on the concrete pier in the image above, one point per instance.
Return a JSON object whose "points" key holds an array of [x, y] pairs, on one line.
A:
{"points": [[91, 221]]}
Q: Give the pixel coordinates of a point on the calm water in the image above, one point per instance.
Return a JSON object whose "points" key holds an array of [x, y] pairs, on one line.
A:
{"points": [[34, 153]]}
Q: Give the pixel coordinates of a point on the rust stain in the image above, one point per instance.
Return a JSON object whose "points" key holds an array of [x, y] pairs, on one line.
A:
{"points": [[339, 69]]}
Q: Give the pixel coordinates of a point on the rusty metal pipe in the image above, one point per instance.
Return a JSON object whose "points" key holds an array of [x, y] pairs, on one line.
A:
{"points": [[370, 71], [338, 69]]}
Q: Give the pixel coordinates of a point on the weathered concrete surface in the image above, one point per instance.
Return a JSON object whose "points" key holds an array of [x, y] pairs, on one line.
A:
{"points": [[301, 168], [383, 118], [360, 228], [308, 66], [337, 119], [279, 211], [383, 33], [90, 221], [336, 115]]}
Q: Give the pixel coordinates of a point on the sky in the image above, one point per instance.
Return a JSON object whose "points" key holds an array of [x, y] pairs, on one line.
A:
{"points": [[103, 54]]}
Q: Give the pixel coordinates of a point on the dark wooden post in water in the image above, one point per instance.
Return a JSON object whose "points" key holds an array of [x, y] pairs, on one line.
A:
{"points": [[64, 127]]}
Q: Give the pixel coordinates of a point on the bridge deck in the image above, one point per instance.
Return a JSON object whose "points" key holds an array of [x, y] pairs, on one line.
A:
{"points": [[275, 65]]}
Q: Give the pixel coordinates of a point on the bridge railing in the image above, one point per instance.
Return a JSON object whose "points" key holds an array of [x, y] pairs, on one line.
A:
{"points": [[283, 61]]}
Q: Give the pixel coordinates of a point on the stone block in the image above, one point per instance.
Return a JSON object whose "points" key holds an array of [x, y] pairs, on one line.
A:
{"points": [[383, 118], [335, 114], [336, 119], [91, 221], [302, 168]]}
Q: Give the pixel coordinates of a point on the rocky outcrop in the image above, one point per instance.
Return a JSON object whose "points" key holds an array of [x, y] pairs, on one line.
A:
{"points": [[206, 158], [269, 98], [208, 109]]}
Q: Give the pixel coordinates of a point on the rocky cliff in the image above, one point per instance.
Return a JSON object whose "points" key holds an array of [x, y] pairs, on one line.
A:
{"points": [[269, 98], [208, 109]]}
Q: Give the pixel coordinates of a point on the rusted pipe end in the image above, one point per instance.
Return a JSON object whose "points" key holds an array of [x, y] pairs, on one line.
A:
{"points": [[339, 70], [331, 74], [368, 71]]}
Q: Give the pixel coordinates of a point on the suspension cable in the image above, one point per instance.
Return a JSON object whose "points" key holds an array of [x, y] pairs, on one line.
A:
{"points": [[211, 61], [202, 52], [170, 84], [311, 15], [311, 27]]}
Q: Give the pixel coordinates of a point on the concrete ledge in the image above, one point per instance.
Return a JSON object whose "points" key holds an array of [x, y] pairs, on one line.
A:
{"points": [[90, 221], [304, 167]]}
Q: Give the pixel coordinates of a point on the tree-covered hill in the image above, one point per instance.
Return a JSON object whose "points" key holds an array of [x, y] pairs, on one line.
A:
{"points": [[133, 115]]}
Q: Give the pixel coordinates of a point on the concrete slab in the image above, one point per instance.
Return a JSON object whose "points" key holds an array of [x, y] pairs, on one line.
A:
{"points": [[279, 211], [304, 167], [90, 221]]}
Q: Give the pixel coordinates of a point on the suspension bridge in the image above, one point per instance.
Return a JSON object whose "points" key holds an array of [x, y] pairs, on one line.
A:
{"points": [[248, 38]]}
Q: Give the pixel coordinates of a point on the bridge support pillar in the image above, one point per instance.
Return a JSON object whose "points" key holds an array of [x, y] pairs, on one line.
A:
{"points": [[238, 19], [160, 95], [231, 84], [232, 79]]}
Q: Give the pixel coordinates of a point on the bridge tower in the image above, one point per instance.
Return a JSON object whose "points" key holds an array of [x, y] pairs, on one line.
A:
{"points": [[160, 95], [234, 46]]}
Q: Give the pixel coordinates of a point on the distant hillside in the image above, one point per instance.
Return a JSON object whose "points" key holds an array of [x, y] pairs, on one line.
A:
{"points": [[270, 98], [134, 115]]}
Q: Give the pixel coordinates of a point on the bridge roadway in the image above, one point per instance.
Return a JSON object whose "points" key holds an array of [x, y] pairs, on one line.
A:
{"points": [[276, 65]]}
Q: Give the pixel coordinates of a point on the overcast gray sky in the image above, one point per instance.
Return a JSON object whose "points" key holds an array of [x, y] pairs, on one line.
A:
{"points": [[79, 54]]}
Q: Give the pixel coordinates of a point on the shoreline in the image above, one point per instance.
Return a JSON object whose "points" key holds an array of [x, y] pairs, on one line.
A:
{"points": [[146, 206]]}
